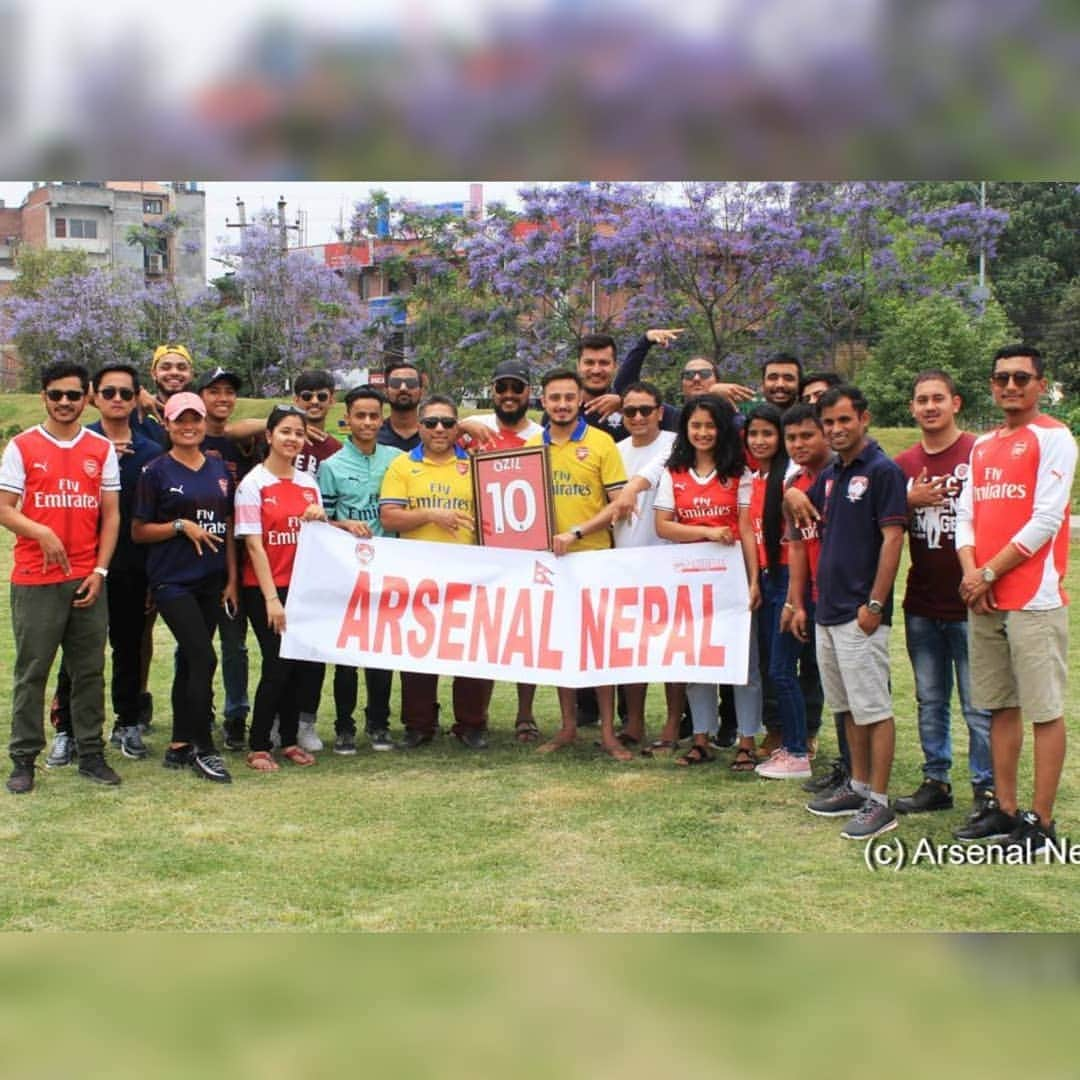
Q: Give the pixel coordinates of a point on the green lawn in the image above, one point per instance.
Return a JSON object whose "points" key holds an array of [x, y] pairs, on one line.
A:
{"points": [[507, 840]]}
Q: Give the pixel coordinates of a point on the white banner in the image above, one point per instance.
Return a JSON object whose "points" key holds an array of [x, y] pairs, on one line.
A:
{"points": [[673, 613]]}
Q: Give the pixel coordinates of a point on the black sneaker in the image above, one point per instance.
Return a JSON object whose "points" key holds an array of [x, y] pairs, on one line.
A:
{"points": [[21, 779], [380, 740], [146, 711], [131, 744], [93, 767], [930, 795], [414, 739], [234, 734], [208, 764], [722, 740], [473, 738], [988, 822], [345, 744], [1030, 835], [827, 781], [178, 757], [844, 800], [980, 798]]}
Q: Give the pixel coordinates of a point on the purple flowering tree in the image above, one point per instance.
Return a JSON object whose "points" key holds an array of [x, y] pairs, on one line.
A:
{"points": [[298, 313]]}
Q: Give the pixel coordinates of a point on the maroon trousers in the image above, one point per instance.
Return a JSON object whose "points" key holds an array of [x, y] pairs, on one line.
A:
{"points": [[419, 704]]}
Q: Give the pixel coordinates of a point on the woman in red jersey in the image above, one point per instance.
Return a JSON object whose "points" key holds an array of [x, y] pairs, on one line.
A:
{"points": [[704, 494], [271, 503]]}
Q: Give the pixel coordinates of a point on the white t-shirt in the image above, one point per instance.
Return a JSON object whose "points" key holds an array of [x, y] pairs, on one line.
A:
{"points": [[647, 461]]}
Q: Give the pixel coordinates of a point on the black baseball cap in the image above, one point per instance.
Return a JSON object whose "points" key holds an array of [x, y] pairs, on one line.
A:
{"points": [[513, 369], [219, 374]]}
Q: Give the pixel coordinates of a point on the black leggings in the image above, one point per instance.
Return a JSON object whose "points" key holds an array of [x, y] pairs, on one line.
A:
{"points": [[192, 617], [279, 682]]}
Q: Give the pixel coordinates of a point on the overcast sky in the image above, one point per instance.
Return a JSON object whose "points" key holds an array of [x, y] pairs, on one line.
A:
{"points": [[325, 202]]}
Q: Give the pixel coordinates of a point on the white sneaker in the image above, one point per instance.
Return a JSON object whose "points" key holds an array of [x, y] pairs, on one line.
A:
{"points": [[307, 738]]}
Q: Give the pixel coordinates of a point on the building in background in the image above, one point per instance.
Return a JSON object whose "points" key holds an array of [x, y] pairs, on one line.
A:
{"points": [[99, 218]]}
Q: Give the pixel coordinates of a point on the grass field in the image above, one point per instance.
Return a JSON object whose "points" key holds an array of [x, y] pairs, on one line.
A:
{"points": [[507, 840]]}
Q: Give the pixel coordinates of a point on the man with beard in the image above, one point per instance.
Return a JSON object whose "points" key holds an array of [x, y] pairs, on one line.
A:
{"points": [[780, 376], [404, 387], [172, 370]]}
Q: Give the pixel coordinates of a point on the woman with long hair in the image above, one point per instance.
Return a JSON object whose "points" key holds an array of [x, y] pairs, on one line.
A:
{"points": [[704, 495], [779, 651], [272, 502], [183, 510]]}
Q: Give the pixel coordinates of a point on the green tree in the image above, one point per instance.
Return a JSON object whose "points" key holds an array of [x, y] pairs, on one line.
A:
{"points": [[35, 268], [934, 332]]}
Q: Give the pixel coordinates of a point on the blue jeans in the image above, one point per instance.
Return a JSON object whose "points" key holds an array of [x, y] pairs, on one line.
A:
{"points": [[936, 647], [783, 652], [234, 662]]}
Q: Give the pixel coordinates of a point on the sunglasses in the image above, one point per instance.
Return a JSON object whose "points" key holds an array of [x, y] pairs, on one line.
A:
{"points": [[432, 422], [403, 382], [633, 411], [109, 392], [1021, 378], [321, 396], [65, 395], [697, 376], [509, 386]]}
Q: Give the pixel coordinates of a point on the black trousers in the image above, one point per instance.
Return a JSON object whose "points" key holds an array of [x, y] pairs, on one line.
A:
{"points": [[192, 618], [280, 681]]}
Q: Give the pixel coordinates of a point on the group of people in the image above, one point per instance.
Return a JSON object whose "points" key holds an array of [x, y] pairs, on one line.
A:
{"points": [[195, 516]]}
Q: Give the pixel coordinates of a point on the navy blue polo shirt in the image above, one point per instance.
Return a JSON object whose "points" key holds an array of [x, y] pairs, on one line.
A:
{"points": [[855, 502], [128, 554]]}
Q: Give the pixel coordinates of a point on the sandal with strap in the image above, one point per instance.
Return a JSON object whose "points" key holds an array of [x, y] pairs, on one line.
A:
{"points": [[744, 760], [660, 746], [696, 755], [262, 761], [298, 756], [525, 730]]}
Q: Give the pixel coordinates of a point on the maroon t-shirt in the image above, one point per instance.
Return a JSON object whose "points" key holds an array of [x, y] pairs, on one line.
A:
{"points": [[934, 577], [315, 453]]}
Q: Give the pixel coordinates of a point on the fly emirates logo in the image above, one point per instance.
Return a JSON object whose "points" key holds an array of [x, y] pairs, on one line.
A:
{"points": [[995, 487], [68, 496]]}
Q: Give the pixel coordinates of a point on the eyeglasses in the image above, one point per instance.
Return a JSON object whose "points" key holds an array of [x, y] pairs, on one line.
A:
{"points": [[65, 395], [633, 411], [1021, 378], [403, 382], [321, 396], [109, 392], [697, 375], [432, 422], [510, 386]]}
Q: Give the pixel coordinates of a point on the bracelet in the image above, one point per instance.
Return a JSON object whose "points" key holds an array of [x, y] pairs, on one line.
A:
{"points": [[789, 607], [102, 571]]}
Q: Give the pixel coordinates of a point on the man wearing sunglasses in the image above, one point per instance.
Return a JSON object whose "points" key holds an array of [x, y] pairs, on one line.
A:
{"points": [[60, 496], [427, 494], [510, 423], [404, 388], [313, 394], [1012, 537]]}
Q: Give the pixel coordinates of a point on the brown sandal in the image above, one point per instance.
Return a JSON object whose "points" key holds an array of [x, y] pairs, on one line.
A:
{"points": [[525, 730], [696, 755], [743, 760], [298, 756]]}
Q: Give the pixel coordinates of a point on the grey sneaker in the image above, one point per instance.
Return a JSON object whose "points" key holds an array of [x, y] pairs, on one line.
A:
{"points": [[307, 737], [872, 820], [380, 740], [836, 803], [62, 752], [131, 744], [345, 745]]}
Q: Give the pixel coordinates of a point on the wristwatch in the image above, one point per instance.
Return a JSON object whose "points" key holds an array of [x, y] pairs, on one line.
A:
{"points": [[988, 575], [875, 607], [576, 530], [178, 526], [102, 571]]}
